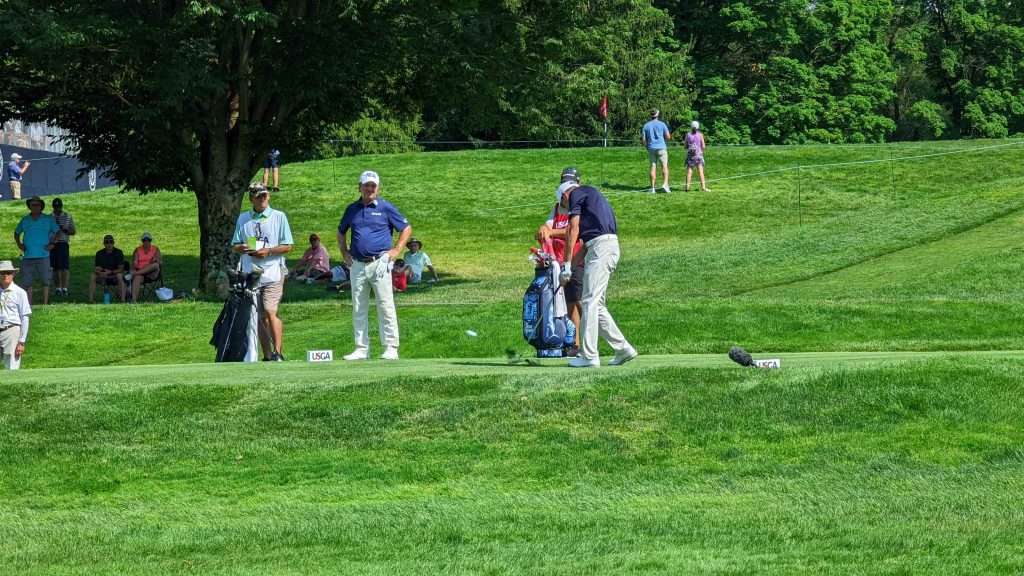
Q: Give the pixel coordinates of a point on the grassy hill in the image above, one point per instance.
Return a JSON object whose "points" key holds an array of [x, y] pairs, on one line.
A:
{"points": [[889, 443], [916, 254]]}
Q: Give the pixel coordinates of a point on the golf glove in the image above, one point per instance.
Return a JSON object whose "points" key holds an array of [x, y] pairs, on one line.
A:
{"points": [[566, 272], [383, 266]]}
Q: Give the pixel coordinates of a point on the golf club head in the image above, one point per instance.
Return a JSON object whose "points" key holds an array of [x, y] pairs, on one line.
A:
{"points": [[740, 356]]}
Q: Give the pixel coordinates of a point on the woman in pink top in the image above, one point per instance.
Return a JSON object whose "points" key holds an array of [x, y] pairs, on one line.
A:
{"points": [[315, 263], [146, 263], [695, 155]]}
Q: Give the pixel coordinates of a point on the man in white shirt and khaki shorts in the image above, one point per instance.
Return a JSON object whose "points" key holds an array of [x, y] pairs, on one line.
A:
{"points": [[14, 313], [263, 236]]}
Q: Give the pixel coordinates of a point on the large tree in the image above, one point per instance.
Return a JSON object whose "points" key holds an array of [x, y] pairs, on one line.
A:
{"points": [[181, 95]]}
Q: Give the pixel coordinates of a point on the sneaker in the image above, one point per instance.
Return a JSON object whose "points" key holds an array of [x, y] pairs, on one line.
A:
{"points": [[666, 189], [581, 362], [300, 278], [277, 357], [623, 356], [390, 354], [654, 191], [707, 190], [356, 355]]}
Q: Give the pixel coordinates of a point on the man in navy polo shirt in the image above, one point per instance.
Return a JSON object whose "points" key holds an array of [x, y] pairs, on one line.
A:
{"points": [[372, 221], [592, 220]]}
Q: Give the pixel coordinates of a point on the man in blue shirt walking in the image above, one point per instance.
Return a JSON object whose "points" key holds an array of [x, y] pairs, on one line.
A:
{"points": [[592, 221], [372, 221], [655, 134]]}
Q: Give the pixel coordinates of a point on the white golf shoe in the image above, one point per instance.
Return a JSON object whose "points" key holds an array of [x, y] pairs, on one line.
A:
{"points": [[390, 354], [623, 356], [356, 355], [581, 362]]}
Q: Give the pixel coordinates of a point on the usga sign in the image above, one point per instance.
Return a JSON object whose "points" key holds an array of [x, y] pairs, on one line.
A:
{"points": [[319, 355], [770, 363]]}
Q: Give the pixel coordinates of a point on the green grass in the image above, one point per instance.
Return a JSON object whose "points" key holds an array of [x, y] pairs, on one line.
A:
{"points": [[871, 464], [918, 255], [889, 442]]}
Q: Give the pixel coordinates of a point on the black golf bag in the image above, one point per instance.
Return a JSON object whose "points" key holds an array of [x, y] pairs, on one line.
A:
{"points": [[236, 331], [545, 323]]}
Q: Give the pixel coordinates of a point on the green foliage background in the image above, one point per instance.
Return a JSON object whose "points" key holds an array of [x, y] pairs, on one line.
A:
{"points": [[753, 71]]}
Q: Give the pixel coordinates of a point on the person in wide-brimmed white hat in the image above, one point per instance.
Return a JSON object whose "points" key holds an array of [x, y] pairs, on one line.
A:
{"points": [[14, 312]]}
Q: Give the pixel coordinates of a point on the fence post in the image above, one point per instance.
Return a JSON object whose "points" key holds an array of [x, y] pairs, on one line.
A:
{"points": [[799, 193], [892, 172]]}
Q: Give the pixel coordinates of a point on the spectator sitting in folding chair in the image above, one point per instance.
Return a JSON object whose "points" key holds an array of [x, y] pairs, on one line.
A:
{"points": [[147, 264], [109, 269]]}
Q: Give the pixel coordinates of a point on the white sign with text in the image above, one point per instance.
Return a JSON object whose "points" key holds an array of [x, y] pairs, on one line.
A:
{"points": [[768, 363], [319, 355]]}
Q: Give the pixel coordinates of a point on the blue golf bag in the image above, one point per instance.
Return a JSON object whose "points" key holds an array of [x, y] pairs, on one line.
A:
{"points": [[545, 324]]}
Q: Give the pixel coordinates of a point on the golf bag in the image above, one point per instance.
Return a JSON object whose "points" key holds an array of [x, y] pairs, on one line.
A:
{"points": [[546, 325], [236, 331]]}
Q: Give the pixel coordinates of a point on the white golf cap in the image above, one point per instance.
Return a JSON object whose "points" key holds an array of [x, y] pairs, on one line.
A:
{"points": [[563, 188], [369, 176], [695, 125], [15, 156]]}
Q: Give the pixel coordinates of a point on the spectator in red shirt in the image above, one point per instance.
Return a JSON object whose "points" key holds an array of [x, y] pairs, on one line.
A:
{"points": [[400, 274], [553, 233]]}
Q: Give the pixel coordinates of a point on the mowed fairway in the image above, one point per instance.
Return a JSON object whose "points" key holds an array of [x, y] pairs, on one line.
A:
{"points": [[888, 443], [669, 465]]}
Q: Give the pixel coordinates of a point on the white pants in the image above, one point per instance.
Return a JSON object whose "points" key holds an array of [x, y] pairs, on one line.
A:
{"points": [[8, 340], [601, 260], [364, 277]]}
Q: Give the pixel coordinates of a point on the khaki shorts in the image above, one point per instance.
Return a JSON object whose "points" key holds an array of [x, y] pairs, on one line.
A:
{"points": [[15, 189], [657, 156], [8, 340], [271, 295]]}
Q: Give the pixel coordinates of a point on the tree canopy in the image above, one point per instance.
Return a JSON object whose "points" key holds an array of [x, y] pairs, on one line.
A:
{"points": [[185, 95]]}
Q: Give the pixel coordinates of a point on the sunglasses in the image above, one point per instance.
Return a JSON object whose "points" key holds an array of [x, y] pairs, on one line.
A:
{"points": [[108, 241]]}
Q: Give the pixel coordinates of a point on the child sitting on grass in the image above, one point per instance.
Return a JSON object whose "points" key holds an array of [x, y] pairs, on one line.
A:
{"points": [[400, 274]]}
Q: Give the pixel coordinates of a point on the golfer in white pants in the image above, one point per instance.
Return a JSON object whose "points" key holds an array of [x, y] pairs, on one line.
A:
{"points": [[592, 220], [372, 222]]}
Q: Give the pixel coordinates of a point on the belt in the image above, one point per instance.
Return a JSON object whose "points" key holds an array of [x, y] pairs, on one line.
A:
{"points": [[600, 238], [370, 259], [2, 328]]}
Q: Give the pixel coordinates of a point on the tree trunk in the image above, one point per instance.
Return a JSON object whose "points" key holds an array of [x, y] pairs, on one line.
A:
{"points": [[219, 206]]}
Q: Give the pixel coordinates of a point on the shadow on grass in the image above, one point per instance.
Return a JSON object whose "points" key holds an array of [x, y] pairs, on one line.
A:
{"points": [[181, 274], [531, 363], [625, 188]]}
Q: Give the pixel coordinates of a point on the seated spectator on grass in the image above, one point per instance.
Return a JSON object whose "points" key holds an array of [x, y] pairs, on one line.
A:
{"points": [[146, 263], [315, 263], [417, 260], [109, 269], [339, 278], [400, 274]]}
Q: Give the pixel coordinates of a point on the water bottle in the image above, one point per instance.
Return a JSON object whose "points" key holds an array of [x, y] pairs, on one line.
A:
{"points": [[106, 297]]}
